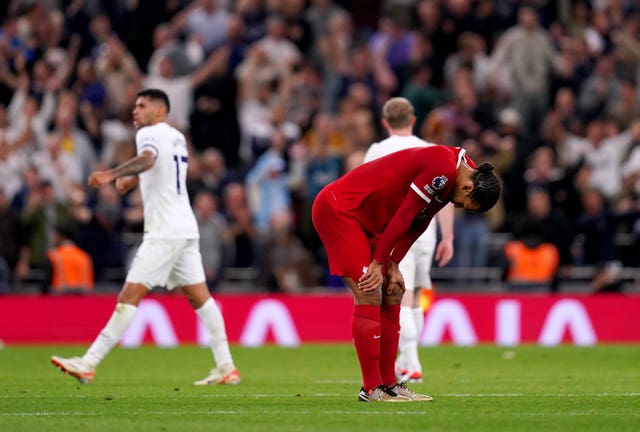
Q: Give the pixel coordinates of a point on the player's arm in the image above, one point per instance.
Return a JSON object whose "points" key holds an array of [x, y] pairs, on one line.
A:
{"points": [[412, 217], [144, 161], [444, 251], [398, 227]]}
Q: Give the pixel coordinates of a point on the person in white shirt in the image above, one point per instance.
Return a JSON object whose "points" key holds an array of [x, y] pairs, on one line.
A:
{"points": [[398, 119], [169, 254]]}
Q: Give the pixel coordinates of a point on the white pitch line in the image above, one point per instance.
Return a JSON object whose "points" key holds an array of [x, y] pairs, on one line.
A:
{"points": [[293, 412], [539, 394], [344, 381], [47, 414], [26, 395], [467, 395]]}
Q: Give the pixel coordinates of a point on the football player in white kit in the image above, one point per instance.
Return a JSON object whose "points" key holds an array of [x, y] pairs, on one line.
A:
{"points": [[398, 119], [169, 254]]}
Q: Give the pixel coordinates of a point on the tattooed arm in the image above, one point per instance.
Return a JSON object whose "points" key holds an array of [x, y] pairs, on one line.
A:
{"points": [[131, 167]]}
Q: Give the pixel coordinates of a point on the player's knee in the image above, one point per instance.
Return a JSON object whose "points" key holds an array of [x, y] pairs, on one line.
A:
{"points": [[393, 294], [373, 298], [132, 293]]}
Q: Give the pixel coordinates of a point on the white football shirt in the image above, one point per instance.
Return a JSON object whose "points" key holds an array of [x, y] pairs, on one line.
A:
{"points": [[393, 144], [167, 210]]}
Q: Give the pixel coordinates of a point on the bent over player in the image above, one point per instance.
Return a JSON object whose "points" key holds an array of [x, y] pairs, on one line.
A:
{"points": [[170, 253], [367, 221], [398, 119]]}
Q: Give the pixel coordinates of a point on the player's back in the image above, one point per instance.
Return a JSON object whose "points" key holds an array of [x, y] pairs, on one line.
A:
{"points": [[373, 191], [393, 144], [167, 210]]}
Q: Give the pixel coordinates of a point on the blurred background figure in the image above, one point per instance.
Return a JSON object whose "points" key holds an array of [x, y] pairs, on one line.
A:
{"points": [[216, 244], [286, 266], [71, 267]]}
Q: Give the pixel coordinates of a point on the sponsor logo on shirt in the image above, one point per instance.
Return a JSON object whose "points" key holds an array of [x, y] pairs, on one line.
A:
{"points": [[429, 190]]}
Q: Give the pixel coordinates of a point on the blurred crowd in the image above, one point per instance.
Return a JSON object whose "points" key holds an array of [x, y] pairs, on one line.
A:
{"points": [[280, 97]]}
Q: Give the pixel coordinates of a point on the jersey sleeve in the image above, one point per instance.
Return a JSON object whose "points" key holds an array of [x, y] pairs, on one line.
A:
{"points": [[431, 188], [398, 227], [146, 141], [403, 245]]}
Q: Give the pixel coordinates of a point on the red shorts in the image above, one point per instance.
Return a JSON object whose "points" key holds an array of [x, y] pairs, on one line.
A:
{"points": [[347, 245]]}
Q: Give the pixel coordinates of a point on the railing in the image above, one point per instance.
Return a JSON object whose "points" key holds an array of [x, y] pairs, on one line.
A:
{"points": [[446, 279]]}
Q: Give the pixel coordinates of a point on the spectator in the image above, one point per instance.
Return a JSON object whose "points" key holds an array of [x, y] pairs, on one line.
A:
{"points": [[62, 169], [10, 232], [599, 90], [261, 132], [215, 112], [333, 53], [276, 46], [243, 231], [392, 43], [101, 232], [72, 139], [185, 58], [203, 20], [319, 14], [180, 89], [286, 267], [541, 224], [12, 164], [215, 238], [325, 148], [606, 158], [71, 267], [267, 184], [118, 70], [527, 51], [28, 117], [39, 216], [624, 110], [214, 174], [298, 28]]}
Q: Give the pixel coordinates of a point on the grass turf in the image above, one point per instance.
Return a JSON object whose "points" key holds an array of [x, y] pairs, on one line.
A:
{"points": [[314, 388]]}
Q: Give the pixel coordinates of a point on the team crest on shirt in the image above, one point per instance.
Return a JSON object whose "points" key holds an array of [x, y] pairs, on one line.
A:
{"points": [[439, 182]]}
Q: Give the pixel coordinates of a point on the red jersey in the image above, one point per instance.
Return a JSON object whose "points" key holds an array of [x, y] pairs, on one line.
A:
{"points": [[395, 197]]}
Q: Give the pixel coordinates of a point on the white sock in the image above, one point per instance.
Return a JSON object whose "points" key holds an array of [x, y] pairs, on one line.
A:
{"points": [[408, 344], [214, 324], [418, 316], [111, 333]]}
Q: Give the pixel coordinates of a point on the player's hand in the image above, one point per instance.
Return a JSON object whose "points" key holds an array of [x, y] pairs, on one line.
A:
{"points": [[394, 277], [372, 279], [126, 183], [98, 178], [444, 252]]}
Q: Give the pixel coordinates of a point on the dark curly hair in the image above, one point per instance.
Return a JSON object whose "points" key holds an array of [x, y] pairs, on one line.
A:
{"points": [[486, 187], [155, 94]]}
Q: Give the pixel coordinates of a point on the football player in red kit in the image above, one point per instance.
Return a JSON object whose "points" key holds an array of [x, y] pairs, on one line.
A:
{"points": [[367, 221]]}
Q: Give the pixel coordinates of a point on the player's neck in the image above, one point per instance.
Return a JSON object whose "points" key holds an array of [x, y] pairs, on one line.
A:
{"points": [[156, 121], [408, 131], [464, 173]]}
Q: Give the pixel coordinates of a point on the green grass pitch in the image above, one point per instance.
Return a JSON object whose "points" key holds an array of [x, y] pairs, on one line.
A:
{"points": [[314, 388]]}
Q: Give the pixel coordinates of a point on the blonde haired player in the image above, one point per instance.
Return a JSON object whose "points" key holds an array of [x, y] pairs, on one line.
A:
{"points": [[170, 253], [398, 119]]}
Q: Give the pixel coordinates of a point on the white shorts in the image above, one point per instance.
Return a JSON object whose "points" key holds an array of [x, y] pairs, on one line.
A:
{"points": [[416, 264], [167, 262]]}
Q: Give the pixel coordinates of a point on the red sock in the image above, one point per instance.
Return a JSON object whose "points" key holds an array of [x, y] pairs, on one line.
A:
{"points": [[390, 332], [365, 329]]}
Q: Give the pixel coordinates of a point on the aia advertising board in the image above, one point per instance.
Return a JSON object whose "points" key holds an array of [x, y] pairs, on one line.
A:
{"points": [[254, 320]]}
